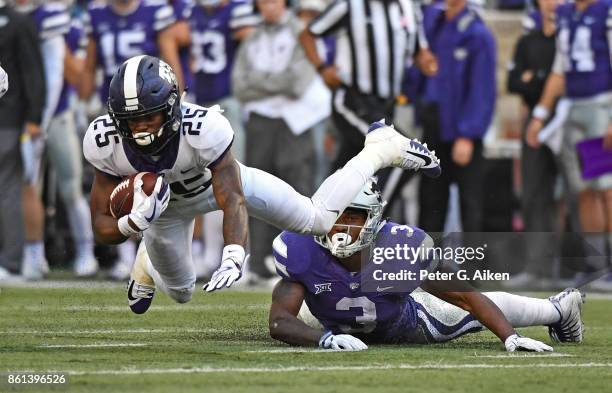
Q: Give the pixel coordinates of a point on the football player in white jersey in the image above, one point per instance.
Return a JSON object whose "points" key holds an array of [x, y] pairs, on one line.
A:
{"points": [[148, 128]]}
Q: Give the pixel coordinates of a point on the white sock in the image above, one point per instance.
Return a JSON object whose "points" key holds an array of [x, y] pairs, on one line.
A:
{"points": [[127, 250], [522, 311], [35, 250]]}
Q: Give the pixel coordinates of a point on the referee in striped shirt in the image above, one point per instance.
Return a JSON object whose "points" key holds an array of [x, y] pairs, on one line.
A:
{"points": [[375, 38]]}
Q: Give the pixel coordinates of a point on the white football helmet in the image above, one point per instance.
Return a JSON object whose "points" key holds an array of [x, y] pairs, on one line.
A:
{"points": [[370, 200]]}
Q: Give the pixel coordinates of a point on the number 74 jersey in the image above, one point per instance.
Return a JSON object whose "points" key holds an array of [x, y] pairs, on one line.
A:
{"points": [[583, 48]]}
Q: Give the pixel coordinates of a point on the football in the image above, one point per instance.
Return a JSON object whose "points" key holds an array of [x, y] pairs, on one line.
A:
{"points": [[123, 195]]}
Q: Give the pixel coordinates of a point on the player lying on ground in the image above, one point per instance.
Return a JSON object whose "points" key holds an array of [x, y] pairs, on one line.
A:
{"points": [[148, 128], [326, 272]]}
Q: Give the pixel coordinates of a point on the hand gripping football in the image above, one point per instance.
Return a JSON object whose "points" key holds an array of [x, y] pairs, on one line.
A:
{"points": [[122, 197]]}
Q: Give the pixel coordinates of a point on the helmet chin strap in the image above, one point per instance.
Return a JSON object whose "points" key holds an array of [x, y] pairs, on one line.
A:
{"points": [[146, 138], [338, 240]]}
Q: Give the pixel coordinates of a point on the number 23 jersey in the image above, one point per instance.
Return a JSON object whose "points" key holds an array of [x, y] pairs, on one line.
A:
{"points": [[204, 138]]}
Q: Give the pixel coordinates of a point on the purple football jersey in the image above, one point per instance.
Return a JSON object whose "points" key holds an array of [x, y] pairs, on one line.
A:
{"points": [[583, 43], [120, 37], [337, 297], [76, 40], [213, 49]]}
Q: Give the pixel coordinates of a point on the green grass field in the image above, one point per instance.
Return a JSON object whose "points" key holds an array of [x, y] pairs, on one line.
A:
{"points": [[219, 342]]}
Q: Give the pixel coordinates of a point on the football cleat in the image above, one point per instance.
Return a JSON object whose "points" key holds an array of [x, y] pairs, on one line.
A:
{"points": [[141, 287], [402, 152], [570, 327]]}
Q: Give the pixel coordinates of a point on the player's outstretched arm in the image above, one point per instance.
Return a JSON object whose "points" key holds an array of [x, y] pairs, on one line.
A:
{"points": [[287, 299], [485, 311], [227, 188], [105, 228], [284, 325]]}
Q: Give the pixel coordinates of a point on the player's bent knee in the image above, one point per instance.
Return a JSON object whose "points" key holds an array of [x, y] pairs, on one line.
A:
{"points": [[324, 220], [181, 295]]}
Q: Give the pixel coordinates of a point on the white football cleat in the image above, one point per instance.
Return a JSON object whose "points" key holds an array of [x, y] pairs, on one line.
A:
{"points": [[396, 150], [85, 264], [141, 286], [570, 327]]}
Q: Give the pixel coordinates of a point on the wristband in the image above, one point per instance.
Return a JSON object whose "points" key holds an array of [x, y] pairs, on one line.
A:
{"points": [[236, 253], [324, 337], [125, 228], [540, 112]]}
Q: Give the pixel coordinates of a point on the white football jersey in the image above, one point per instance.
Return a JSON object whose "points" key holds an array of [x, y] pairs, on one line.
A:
{"points": [[205, 136]]}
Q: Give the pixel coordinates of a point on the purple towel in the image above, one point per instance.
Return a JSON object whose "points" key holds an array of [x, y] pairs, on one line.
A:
{"points": [[594, 159]]}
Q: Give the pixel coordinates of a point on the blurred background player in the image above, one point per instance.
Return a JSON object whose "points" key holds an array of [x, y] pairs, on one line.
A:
{"points": [[458, 104], [582, 71], [531, 64], [21, 110], [53, 22], [283, 99]]}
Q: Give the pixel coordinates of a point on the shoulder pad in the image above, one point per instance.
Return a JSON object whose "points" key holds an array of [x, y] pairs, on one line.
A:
{"points": [[291, 253], [99, 142], [205, 127]]}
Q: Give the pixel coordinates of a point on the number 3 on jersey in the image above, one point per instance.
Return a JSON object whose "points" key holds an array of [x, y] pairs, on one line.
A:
{"points": [[366, 323], [208, 50]]}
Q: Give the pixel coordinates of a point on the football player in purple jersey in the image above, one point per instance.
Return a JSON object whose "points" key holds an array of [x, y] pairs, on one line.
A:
{"points": [[121, 29], [583, 73], [329, 274]]}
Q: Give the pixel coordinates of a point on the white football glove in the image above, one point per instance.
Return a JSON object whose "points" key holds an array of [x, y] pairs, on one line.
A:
{"points": [[145, 208], [4, 83], [342, 342], [230, 271], [515, 342]]}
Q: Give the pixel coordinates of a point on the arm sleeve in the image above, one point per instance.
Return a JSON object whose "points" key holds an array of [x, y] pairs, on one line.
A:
{"points": [[477, 110], [53, 52], [32, 75], [331, 19]]}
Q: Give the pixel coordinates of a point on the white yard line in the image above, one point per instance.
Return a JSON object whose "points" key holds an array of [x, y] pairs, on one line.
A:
{"points": [[109, 331], [524, 355], [154, 308], [101, 345], [433, 366]]}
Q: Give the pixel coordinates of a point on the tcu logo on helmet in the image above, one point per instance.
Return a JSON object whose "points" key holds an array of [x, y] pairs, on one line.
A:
{"points": [[165, 71]]}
